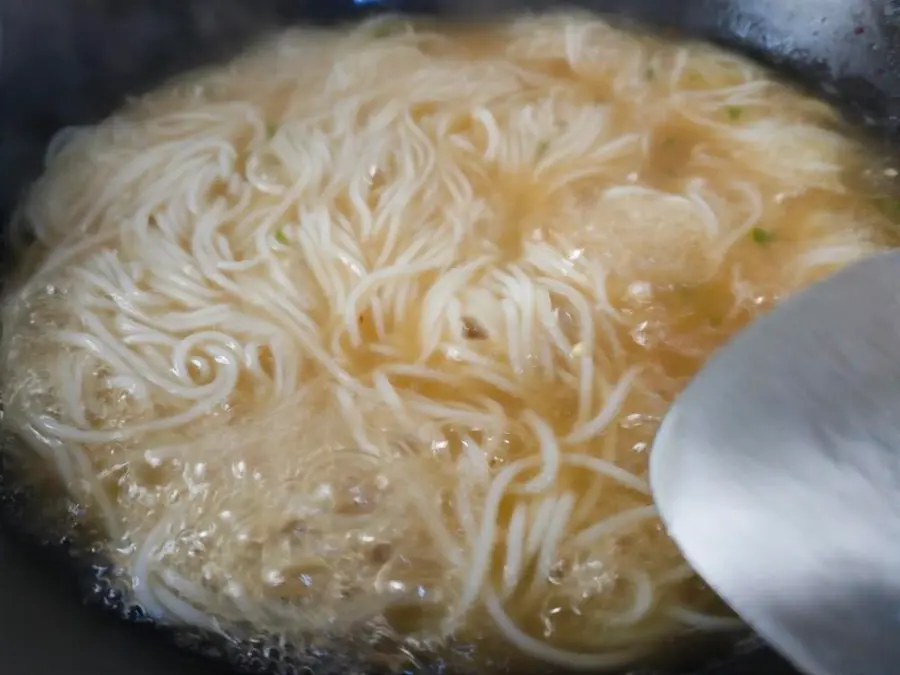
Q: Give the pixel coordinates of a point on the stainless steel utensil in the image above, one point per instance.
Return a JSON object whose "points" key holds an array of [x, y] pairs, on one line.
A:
{"points": [[777, 472]]}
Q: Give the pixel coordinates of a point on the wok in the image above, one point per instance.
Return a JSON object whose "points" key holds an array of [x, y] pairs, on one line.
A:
{"points": [[72, 61]]}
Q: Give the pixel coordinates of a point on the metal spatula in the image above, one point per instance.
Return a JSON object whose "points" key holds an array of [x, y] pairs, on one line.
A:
{"points": [[777, 472]]}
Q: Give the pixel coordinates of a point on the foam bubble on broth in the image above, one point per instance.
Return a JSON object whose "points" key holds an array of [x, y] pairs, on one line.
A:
{"points": [[369, 332]]}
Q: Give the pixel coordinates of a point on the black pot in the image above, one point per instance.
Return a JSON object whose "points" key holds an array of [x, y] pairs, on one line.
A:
{"points": [[72, 61]]}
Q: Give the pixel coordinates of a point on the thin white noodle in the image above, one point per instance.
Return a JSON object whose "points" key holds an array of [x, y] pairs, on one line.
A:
{"points": [[539, 525], [483, 546], [704, 621], [549, 451], [515, 554], [545, 652], [642, 603], [553, 535], [611, 524], [608, 470], [608, 412], [244, 339]]}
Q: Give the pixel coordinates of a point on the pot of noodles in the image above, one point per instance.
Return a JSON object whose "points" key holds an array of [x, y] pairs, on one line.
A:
{"points": [[345, 353]]}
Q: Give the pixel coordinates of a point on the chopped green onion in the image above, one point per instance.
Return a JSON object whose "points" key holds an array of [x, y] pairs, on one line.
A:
{"points": [[734, 113], [761, 236], [542, 148], [281, 238]]}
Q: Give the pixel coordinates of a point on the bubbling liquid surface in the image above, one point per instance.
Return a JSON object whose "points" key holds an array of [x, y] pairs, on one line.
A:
{"points": [[370, 331]]}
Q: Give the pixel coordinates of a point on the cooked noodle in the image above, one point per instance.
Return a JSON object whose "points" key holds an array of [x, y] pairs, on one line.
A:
{"points": [[372, 329]]}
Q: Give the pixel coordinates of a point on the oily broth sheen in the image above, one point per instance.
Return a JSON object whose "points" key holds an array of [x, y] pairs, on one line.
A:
{"points": [[596, 211]]}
